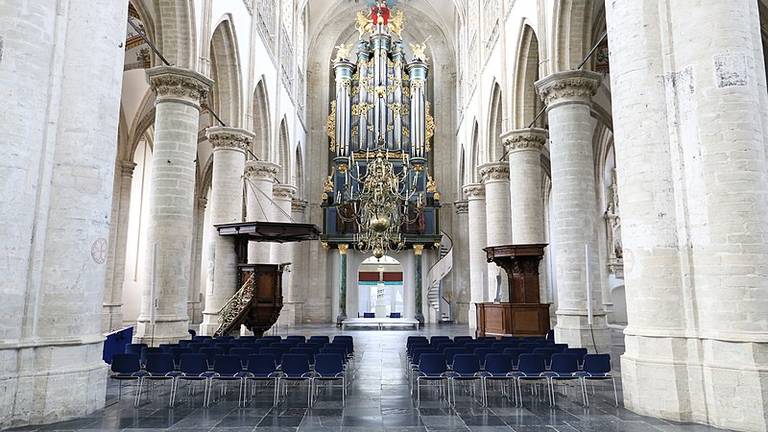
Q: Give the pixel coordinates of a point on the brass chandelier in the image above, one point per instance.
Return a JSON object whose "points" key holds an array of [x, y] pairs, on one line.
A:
{"points": [[380, 197]]}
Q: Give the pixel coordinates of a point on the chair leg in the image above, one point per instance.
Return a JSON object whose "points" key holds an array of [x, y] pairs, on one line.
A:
{"points": [[137, 399], [615, 393], [418, 392]]}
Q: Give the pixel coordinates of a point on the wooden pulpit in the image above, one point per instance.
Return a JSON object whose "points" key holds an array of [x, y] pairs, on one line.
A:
{"points": [[524, 314]]}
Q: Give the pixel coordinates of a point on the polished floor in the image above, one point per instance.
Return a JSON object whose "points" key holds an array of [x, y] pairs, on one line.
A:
{"points": [[378, 400]]}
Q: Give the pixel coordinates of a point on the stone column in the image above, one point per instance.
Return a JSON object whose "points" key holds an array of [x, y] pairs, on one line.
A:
{"points": [[163, 317], [259, 178], [418, 255], [229, 146], [282, 252], [300, 264], [57, 185], [495, 177], [460, 270], [568, 96], [196, 285], [524, 147], [343, 248], [691, 159], [478, 264], [113, 294]]}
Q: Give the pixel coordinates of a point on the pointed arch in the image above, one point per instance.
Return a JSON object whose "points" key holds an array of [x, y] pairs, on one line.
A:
{"points": [[572, 33], [225, 72], [175, 34], [527, 102], [261, 122], [494, 147], [474, 176], [462, 171], [283, 152], [298, 172]]}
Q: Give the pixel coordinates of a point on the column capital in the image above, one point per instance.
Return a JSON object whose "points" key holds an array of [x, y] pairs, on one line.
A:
{"points": [[178, 84], [283, 192], [261, 170], [299, 205], [227, 138], [474, 191], [528, 139], [574, 86], [462, 207], [418, 249], [343, 248], [494, 171], [126, 168]]}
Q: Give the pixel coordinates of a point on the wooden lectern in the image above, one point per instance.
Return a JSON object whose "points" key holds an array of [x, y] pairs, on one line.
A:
{"points": [[524, 314]]}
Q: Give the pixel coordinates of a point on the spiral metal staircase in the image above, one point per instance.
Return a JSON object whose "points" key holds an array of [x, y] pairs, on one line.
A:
{"points": [[436, 275]]}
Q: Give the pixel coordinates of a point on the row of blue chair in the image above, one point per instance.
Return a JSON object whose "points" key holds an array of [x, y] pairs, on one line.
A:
{"points": [[531, 369], [245, 362]]}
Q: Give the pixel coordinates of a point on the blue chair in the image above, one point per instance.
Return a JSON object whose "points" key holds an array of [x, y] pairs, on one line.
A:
{"points": [[277, 354], [499, 368], [295, 367], [177, 352], [564, 368], [550, 336], [193, 367], [348, 349], [395, 315], [579, 353], [159, 367], [466, 368], [334, 349], [299, 338], [547, 353], [462, 339], [597, 367], [329, 367], [369, 315], [450, 353], [309, 352], [433, 339], [531, 369], [242, 354], [126, 367], [271, 338], [482, 352], [314, 347], [432, 368], [262, 368], [134, 348], [227, 368], [322, 339], [210, 354], [515, 354]]}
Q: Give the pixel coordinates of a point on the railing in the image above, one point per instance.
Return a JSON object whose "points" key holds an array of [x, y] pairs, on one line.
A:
{"points": [[233, 312], [439, 270]]}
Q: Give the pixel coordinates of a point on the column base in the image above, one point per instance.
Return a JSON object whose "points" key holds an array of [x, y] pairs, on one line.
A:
{"points": [[161, 332], [460, 313], [340, 317], [50, 383], [696, 380], [420, 318], [209, 325], [574, 329], [291, 314], [111, 317]]}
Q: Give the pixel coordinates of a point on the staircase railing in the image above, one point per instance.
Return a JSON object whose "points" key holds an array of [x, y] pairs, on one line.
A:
{"points": [[234, 310], [439, 270]]}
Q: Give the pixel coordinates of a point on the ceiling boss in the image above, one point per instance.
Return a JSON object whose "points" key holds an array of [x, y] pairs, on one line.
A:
{"points": [[380, 196]]}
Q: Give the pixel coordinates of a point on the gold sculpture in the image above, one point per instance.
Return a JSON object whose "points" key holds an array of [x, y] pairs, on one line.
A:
{"points": [[396, 23], [418, 50], [364, 23], [342, 52], [330, 126]]}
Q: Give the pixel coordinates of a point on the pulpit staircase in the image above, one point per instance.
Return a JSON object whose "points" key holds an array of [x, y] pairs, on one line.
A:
{"points": [[437, 273], [235, 311]]}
